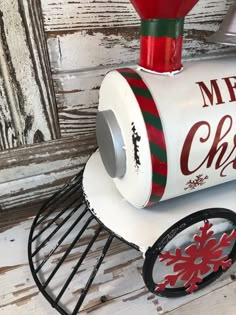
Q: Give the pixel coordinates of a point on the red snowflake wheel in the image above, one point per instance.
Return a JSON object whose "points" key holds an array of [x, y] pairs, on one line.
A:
{"points": [[192, 253]]}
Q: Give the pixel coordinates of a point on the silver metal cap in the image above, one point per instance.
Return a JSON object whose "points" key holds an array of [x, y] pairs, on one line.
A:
{"points": [[110, 143]]}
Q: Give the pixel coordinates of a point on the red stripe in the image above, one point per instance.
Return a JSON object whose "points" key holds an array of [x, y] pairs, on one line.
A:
{"points": [[151, 204], [126, 70], [137, 83], [147, 105], [156, 136], [157, 190], [158, 166]]}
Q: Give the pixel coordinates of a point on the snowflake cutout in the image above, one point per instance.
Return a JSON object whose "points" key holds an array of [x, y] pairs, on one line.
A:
{"points": [[199, 181], [199, 259]]}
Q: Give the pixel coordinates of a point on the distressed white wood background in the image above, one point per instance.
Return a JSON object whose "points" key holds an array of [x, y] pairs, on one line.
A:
{"points": [[27, 112]]}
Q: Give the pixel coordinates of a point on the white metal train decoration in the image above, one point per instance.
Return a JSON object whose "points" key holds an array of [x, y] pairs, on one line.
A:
{"points": [[163, 134], [168, 134], [167, 143]]}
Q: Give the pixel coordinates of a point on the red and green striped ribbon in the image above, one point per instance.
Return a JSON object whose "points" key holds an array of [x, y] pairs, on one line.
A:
{"points": [[161, 44], [154, 131]]}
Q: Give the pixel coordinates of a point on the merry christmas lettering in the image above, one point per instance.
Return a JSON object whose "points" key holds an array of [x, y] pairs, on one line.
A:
{"points": [[221, 152], [220, 149], [214, 94]]}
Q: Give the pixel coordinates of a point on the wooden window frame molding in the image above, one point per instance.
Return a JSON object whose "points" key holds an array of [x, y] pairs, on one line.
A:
{"points": [[34, 159]]}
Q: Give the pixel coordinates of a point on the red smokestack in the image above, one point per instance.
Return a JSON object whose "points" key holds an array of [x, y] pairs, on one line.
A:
{"points": [[162, 33]]}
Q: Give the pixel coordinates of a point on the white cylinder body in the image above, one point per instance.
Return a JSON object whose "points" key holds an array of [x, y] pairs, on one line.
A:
{"points": [[184, 144]]}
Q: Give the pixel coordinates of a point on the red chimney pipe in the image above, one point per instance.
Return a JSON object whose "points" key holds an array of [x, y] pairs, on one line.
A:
{"points": [[162, 29]]}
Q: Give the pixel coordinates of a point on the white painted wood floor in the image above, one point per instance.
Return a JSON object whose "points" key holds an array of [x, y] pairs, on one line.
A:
{"points": [[123, 287]]}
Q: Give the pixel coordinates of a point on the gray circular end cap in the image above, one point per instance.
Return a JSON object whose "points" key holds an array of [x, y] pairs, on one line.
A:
{"points": [[110, 143]]}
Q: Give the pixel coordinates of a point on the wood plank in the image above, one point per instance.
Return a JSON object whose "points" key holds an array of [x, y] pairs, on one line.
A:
{"points": [[8, 131], [70, 15], [12, 217], [89, 14], [138, 302], [35, 172], [30, 111], [10, 127], [33, 21], [169, 305], [84, 50], [217, 302], [77, 101]]}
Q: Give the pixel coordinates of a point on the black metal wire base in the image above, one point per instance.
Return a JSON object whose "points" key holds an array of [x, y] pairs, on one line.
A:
{"points": [[66, 230]]}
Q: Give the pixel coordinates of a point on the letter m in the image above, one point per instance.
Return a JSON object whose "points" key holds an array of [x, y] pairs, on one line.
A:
{"points": [[210, 96]]}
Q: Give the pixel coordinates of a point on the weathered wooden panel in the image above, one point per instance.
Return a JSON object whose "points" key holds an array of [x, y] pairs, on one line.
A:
{"points": [[98, 34], [92, 49], [10, 124], [72, 15], [85, 50], [33, 22], [8, 132], [27, 95], [77, 99], [35, 172], [90, 14]]}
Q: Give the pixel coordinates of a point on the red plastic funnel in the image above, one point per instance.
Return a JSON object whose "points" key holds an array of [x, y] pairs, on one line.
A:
{"points": [[162, 29], [163, 9]]}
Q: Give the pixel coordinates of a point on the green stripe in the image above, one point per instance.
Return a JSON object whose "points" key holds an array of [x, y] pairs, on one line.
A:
{"points": [[158, 152], [154, 198], [141, 91], [130, 75], [152, 120], [159, 179], [172, 28]]}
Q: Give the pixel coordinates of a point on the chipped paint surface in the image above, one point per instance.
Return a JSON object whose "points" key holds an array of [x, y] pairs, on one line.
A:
{"points": [[110, 13], [40, 169], [23, 78]]}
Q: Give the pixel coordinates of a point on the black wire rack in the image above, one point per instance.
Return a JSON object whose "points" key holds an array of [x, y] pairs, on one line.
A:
{"points": [[67, 246], [63, 225]]}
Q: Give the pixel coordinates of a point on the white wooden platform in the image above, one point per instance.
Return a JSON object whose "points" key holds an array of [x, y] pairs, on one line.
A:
{"points": [[119, 283]]}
